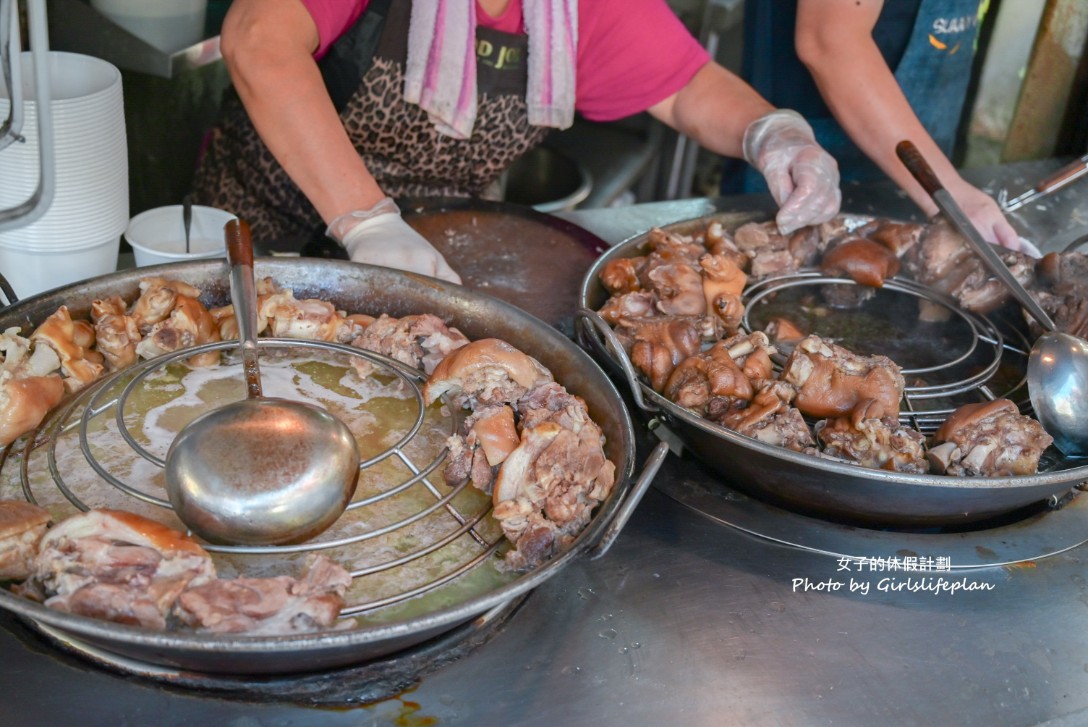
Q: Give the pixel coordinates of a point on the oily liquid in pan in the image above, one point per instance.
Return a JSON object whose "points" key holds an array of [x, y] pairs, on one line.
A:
{"points": [[379, 412]]}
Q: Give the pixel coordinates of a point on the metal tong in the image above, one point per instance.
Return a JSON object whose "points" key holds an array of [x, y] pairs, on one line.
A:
{"points": [[1070, 172]]}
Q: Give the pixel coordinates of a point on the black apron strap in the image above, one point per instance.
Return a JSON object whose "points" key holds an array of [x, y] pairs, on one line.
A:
{"points": [[350, 56]]}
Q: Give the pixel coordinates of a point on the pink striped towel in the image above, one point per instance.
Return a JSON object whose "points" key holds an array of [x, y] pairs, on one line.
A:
{"points": [[441, 72]]}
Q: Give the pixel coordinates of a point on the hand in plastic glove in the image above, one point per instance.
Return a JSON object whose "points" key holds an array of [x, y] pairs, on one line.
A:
{"points": [[802, 177], [989, 220], [379, 236]]}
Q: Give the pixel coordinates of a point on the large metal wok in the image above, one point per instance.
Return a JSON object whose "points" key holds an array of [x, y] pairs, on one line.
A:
{"points": [[808, 484], [354, 288]]}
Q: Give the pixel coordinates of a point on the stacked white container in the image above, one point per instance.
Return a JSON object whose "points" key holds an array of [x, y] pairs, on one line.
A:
{"points": [[79, 235], [169, 25]]}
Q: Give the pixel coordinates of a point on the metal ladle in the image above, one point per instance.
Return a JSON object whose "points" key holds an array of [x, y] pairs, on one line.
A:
{"points": [[1058, 363], [187, 218], [260, 471]]}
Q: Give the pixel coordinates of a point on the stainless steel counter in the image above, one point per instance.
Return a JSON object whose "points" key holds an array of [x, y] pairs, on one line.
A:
{"points": [[691, 621]]}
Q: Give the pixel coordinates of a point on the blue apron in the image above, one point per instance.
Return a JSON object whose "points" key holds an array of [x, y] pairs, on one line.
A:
{"points": [[933, 70]]}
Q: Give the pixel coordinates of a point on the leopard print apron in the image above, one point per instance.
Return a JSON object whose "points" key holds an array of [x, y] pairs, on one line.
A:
{"points": [[397, 140]]}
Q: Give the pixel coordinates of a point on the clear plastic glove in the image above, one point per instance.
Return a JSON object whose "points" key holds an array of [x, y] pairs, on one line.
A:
{"points": [[802, 177], [379, 236]]}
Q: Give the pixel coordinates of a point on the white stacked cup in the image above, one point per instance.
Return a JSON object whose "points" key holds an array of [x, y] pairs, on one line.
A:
{"points": [[79, 235]]}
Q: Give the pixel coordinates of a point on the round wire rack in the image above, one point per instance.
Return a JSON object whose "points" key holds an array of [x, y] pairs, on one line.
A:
{"points": [[948, 355], [403, 537]]}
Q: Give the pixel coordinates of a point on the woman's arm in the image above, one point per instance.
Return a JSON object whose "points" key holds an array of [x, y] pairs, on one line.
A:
{"points": [[726, 115], [714, 109], [834, 40], [267, 46]]}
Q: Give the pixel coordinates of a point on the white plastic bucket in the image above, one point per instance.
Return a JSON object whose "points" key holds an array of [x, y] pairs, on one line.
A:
{"points": [[35, 271]]}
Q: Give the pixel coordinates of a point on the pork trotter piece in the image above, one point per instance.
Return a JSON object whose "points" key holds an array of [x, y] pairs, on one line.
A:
{"points": [[21, 528], [489, 436], [730, 369], [117, 566], [863, 261], [988, 439], [420, 341], [268, 606], [486, 371], [832, 380], [657, 345], [25, 402], [943, 260], [547, 488], [770, 418], [870, 438]]}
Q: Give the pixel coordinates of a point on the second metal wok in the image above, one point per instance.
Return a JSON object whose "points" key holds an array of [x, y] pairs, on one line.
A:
{"points": [[808, 484]]}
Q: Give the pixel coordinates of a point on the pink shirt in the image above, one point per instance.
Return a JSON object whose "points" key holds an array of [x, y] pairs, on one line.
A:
{"points": [[631, 53]]}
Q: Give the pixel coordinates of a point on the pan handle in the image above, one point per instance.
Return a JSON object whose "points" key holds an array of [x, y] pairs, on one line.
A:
{"points": [[627, 507], [592, 321]]}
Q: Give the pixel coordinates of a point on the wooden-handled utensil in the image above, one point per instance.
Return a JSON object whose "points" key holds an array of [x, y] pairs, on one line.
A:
{"points": [[1058, 363]]}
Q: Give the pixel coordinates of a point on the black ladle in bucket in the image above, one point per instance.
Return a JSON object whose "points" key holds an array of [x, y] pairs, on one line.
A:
{"points": [[187, 218]]}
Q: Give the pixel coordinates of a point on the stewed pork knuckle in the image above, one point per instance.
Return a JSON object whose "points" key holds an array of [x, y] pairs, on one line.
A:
{"points": [[1061, 289], [22, 526], [25, 402], [547, 488], [723, 285], [719, 241], [770, 418], [271, 606], [31, 384], [862, 260], [72, 341], [188, 324], [944, 261], [656, 345], [871, 438], [832, 380], [487, 438], [116, 566], [122, 567], [485, 371], [636, 304], [528, 442], [784, 331], [420, 341], [116, 333], [988, 439], [772, 253], [157, 299], [622, 275], [678, 288], [731, 369]]}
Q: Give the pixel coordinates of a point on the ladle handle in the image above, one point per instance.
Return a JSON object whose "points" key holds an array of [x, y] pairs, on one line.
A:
{"points": [[917, 165], [187, 218], [243, 293]]}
